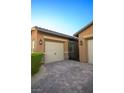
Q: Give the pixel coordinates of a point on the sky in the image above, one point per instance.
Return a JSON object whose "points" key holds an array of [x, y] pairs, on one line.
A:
{"points": [[64, 16]]}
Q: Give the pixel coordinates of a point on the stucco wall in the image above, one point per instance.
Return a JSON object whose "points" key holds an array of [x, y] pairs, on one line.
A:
{"points": [[84, 36], [33, 38], [43, 36]]}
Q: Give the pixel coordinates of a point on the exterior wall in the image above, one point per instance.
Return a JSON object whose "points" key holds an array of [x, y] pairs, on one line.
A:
{"points": [[40, 48], [33, 38], [83, 49], [46, 37]]}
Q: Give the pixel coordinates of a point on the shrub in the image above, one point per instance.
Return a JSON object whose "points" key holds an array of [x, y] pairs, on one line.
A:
{"points": [[36, 61]]}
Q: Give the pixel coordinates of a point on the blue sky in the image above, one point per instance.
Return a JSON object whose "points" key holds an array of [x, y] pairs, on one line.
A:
{"points": [[64, 16]]}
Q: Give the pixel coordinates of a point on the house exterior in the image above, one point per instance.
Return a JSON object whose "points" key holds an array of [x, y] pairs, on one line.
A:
{"points": [[54, 45], [85, 43]]}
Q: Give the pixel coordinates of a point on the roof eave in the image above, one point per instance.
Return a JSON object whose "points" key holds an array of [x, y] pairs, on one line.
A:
{"points": [[54, 33], [82, 29]]}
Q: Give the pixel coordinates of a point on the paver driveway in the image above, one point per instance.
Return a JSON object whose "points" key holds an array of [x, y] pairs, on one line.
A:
{"points": [[65, 77]]}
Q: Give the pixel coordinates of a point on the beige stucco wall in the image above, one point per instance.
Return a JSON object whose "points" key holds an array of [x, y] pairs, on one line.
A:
{"points": [[83, 50], [33, 38], [37, 35]]}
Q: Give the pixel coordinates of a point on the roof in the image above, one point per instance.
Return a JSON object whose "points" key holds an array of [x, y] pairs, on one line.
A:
{"points": [[84, 28], [54, 33]]}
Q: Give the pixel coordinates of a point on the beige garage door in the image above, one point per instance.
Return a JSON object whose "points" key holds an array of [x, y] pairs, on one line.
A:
{"points": [[90, 51], [54, 51]]}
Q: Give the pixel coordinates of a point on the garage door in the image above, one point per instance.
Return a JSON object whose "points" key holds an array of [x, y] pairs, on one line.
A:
{"points": [[90, 51], [54, 51]]}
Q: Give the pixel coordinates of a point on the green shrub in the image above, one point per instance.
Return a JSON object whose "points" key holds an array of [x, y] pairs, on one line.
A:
{"points": [[36, 61]]}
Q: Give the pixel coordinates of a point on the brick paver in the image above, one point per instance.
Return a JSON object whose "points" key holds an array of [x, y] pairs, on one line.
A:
{"points": [[65, 77]]}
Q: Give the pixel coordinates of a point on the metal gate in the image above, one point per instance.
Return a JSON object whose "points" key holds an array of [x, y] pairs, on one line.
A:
{"points": [[73, 50]]}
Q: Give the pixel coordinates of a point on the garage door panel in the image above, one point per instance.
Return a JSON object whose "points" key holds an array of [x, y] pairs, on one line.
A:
{"points": [[90, 51], [53, 51]]}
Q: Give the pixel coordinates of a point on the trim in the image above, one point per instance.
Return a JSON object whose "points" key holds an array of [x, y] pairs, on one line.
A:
{"points": [[88, 36], [55, 39], [66, 52]]}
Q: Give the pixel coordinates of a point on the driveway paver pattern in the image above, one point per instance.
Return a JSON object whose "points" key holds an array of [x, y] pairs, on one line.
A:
{"points": [[65, 77]]}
